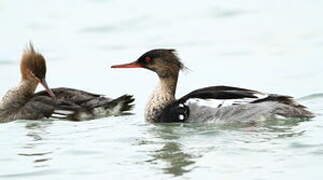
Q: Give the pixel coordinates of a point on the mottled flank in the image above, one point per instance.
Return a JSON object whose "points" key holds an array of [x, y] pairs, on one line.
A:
{"points": [[257, 110]]}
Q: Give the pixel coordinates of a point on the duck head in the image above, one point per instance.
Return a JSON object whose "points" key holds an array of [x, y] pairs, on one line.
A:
{"points": [[162, 61], [33, 68]]}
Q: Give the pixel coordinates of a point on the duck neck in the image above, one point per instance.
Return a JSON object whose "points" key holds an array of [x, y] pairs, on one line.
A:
{"points": [[162, 96], [18, 96]]}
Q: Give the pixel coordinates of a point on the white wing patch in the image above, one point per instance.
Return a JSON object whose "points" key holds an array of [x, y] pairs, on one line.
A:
{"points": [[217, 103], [181, 117], [61, 114]]}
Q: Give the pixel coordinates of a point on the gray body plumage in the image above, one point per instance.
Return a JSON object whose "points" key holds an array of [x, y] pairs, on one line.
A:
{"points": [[70, 104], [265, 107], [269, 110]]}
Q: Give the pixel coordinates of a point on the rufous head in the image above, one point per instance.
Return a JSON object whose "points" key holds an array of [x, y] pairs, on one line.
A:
{"points": [[33, 67], [162, 61]]}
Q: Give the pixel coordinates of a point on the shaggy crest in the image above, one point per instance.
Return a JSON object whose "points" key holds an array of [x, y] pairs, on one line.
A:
{"points": [[32, 62]]}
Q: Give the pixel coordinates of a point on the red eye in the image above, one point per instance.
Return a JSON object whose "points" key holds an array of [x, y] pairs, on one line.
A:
{"points": [[148, 59]]}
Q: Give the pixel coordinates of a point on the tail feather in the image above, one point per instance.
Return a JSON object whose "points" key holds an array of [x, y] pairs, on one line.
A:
{"points": [[121, 105], [294, 108], [288, 100]]}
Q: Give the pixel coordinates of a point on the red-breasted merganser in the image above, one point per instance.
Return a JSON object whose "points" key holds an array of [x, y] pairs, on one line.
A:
{"points": [[210, 104], [61, 103]]}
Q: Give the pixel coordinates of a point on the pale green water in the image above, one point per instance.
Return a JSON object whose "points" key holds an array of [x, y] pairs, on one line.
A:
{"points": [[272, 46]]}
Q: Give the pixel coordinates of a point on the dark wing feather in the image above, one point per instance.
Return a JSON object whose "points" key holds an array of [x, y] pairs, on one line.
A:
{"points": [[37, 108], [288, 100], [221, 92], [70, 94], [71, 103], [79, 97]]}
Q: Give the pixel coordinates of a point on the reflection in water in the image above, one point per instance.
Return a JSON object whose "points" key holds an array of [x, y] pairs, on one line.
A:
{"points": [[36, 130], [170, 153], [34, 154], [177, 159]]}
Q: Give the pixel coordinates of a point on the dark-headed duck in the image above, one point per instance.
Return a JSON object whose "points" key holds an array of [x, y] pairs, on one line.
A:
{"points": [[209, 104]]}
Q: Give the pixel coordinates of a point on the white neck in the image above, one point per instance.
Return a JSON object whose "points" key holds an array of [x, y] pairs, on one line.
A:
{"points": [[163, 95]]}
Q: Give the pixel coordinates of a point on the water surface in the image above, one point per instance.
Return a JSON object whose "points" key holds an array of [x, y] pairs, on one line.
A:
{"points": [[272, 46]]}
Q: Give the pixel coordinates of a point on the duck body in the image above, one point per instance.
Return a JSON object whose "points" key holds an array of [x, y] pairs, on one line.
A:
{"points": [[70, 104], [15, 99], [220, 104], [74, 104]]}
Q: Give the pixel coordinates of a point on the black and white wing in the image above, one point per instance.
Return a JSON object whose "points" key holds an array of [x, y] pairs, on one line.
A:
{"points": [[214, 101], [221, 96]]}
